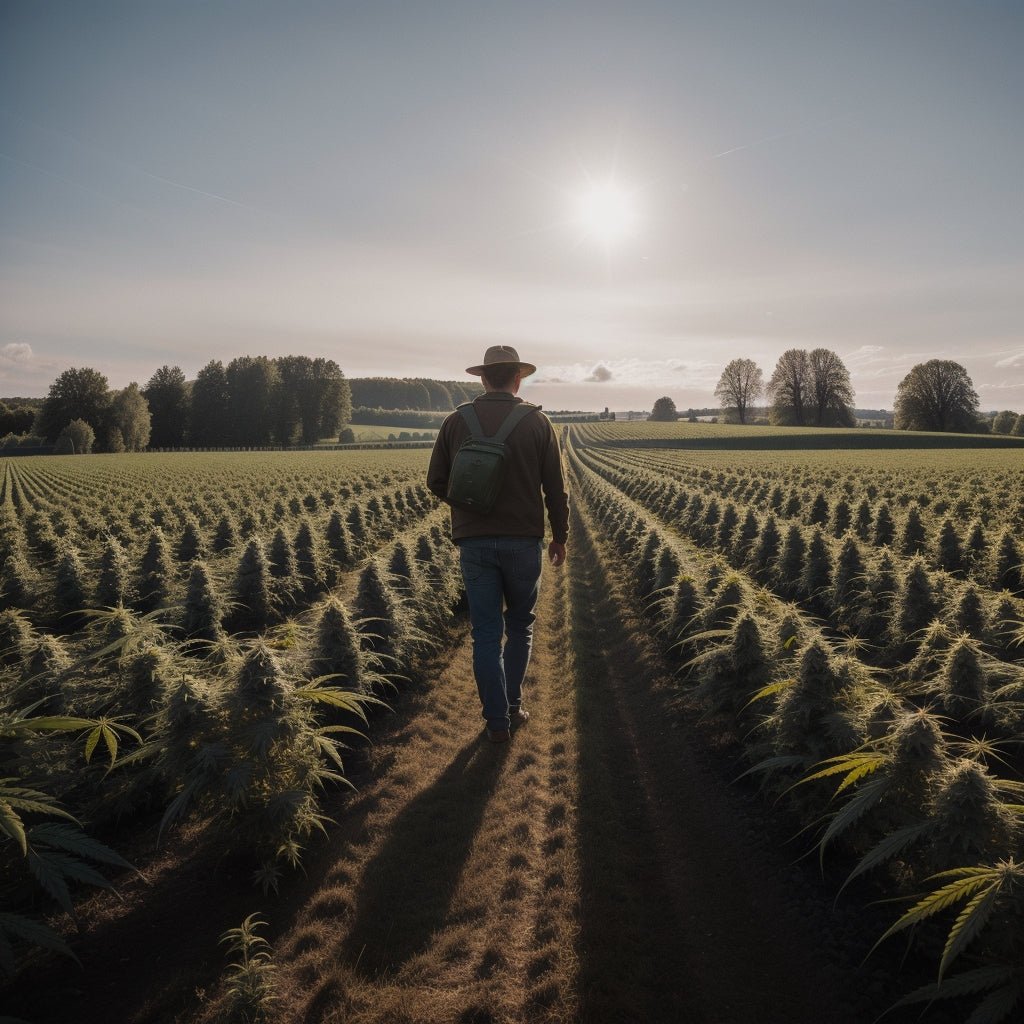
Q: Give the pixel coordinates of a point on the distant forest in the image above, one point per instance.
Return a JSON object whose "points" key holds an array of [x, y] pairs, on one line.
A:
{"points": [[411, 393], [251, 401]]}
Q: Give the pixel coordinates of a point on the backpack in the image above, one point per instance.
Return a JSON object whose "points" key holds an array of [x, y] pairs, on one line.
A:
{"points": [[478, 468]]}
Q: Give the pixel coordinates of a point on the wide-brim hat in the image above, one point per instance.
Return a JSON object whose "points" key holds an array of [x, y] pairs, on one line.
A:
{"points": [[502, 355]]}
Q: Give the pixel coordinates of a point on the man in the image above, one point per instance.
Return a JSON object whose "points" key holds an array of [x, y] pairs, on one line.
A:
{"points": [[500, 551]]}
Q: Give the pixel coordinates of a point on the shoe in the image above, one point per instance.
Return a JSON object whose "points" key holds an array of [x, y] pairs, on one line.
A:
{"points": [[518, 716], [498, 735]]}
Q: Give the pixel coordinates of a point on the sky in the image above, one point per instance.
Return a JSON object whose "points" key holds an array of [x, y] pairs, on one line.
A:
{"points": [[397, 186]]}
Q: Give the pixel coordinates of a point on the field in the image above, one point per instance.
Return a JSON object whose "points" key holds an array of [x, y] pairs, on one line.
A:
{"points": [[756, 653], [380, 432]]}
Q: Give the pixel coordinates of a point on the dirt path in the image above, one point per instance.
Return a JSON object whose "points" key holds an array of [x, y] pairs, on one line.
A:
{"points": [[595, 869]]}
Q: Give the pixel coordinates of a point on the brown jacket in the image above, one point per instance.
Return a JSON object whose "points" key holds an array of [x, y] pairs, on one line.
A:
{"points": [[533, 463]]}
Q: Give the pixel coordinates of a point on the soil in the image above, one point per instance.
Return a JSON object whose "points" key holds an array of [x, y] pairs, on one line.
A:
{"points": [[600, 867]]}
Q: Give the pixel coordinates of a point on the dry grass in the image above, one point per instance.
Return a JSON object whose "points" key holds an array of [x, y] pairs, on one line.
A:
{"points": [[458, 901]]}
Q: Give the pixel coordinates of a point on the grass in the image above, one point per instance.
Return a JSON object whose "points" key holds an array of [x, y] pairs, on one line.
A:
{"points": [[725, 436]]}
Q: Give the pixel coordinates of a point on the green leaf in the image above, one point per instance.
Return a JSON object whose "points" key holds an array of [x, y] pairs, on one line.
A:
{"points": [[75, 841], [969, 882], [342, 728], [90, 743], [49, 873], [110, 739], [773, 764], [853, 810], [855, 765], [891, 845], [12, 825], [74, 869], [55, 723], [770, 690], [998, 1005], [176, 809], [978, 980], [35, 932], [969, 922]]}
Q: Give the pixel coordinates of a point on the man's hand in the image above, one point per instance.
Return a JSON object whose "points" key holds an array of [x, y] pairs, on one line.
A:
{"points": [[556, 553]]}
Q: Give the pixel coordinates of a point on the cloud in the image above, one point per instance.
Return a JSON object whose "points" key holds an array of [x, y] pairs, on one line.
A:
{"points": [[599, 375], [16, 352], [1014, 361]]}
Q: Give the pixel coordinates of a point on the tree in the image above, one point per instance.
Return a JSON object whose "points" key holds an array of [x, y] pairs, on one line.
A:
{"points": [[289, 392], [129, 414], [311, 397], [251, 386], [936, 395], [16, 420], [1004, 422], [740, 385], [1018, 426], [664, 411], [790, 388], [77, 394], [333, 399], [208, 414], [80, 434], [830, 389], [167, 395], [811, 388]]}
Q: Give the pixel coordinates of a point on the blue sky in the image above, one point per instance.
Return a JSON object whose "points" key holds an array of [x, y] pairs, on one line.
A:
{"points": [[393, 185]]}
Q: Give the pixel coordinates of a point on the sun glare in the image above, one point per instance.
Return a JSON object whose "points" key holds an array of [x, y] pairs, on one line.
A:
{"points": [[606, 212]]}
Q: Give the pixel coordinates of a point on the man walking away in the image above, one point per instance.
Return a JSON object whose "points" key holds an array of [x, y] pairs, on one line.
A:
{"points": [[500, 550]]}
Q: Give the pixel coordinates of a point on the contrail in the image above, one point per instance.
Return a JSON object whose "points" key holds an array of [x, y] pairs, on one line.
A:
{"points": [[77, 184], [780, 135], [187, 188], [120, 160]]}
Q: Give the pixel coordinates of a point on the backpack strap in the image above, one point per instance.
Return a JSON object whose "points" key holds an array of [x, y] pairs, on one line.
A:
{"points": [[472, 421], [512, 420]]}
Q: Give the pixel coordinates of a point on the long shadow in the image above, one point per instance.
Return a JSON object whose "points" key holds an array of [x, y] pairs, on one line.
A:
{"points": [[700, 927], [632, 951], [121, 978], [405, 892]]}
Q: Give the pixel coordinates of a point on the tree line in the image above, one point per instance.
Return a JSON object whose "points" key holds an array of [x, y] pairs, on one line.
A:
{"points": [[813, 389], [251, 401], [411, 393]]}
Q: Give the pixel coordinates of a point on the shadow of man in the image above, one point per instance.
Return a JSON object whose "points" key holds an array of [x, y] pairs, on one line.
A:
{"points": [[407, 888]]}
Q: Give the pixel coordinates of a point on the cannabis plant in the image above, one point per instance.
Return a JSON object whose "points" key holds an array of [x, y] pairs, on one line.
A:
{"points": [[339, 541], [384, 622], [43, 848], [253, 591], [313, 573], [69, 588], [249, 979], [203, 610], [114, 584], [157, 574]]}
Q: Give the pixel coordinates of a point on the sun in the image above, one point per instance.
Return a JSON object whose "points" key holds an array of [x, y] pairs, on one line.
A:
{"points": [[606, 212]]}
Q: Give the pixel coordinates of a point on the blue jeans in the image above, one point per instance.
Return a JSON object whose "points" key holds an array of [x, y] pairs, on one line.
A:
{"points": [[501, 572]]}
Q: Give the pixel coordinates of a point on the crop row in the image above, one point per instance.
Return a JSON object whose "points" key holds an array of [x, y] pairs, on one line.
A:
{"points": [[893, 767], [952, 517], [217, 678], [886, 596]]}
